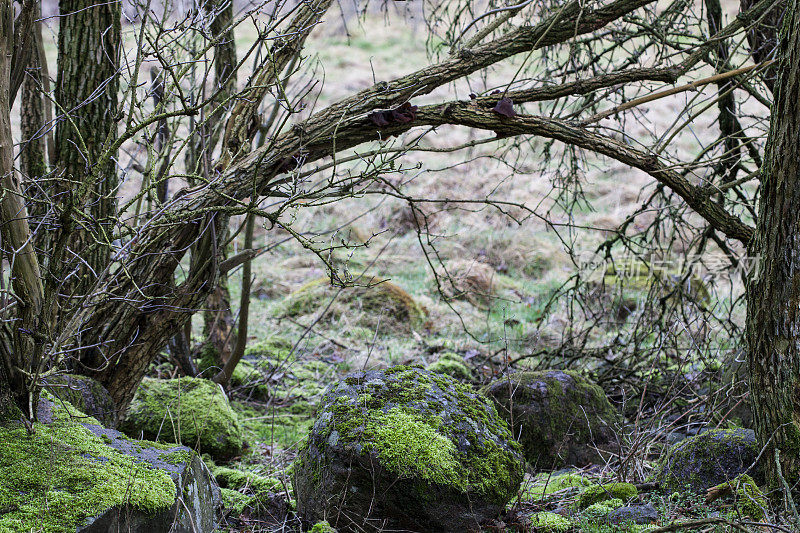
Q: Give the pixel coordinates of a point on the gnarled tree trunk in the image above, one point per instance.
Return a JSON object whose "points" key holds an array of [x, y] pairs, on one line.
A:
{"points": [[773, 302]]}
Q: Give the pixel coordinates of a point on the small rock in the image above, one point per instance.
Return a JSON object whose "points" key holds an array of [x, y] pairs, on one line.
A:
{"points": [[373, 302], [708, 459], [560, 417], [637, 514], [452, 365]]}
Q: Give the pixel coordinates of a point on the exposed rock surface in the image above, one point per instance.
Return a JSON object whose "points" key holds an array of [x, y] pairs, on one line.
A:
{"points": [[714, 457], [559, 417], [74, 475], [635, 514], [406, 449], [190, 411], [85, 394]]}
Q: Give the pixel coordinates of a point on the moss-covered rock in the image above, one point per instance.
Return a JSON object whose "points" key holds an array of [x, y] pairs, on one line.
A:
{"points": [[544, 484], [322, 527], [547, 522], [451, 364], [373, 302], [706, 460], [260, 496], [609, 491], [599, 511], [748, 498], [236, 502], [560, 417], [73, 474], [269, 508], [406, 448], [189, 411], [85, 394]]}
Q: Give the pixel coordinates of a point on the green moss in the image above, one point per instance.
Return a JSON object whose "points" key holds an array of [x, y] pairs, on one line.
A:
{"points": [[412, 446], [748, 498], [272, 347], [239, 479], [322, 527], [548, 522], [600, 510], [452, 365], [56, 478], [177, 457], [600, 493], [545, 484], [189, 411], [235, 500], [398, 416]]}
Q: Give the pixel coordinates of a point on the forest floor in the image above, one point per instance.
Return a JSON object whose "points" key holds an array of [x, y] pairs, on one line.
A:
{"points": [[495, 315], [506, 273]]}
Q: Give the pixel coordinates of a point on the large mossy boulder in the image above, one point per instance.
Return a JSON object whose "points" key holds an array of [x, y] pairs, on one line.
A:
{"points": [[190, 411], [71, 474], [370, 303], [407, 449], [709, 459], [559, 417], [85, 394]]}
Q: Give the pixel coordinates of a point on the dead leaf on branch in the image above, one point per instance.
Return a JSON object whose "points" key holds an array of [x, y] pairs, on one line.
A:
{"points": [[505, 107], [400, 115]]}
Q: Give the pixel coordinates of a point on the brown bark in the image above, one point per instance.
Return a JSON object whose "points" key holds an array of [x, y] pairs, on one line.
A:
{"points": [[217, 318], [773, 293], [36, 132], [22, 356], [86, 91], [224, 375]]}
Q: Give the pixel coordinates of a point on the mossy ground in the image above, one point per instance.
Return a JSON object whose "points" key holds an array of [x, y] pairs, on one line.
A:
{"points": [[62, 474], [277, 407]]}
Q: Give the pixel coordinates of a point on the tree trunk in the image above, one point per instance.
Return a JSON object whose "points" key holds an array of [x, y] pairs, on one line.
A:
{"points": [[35, 117], [773, 294], [218, 321], [86, 91], [21, 354]]}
